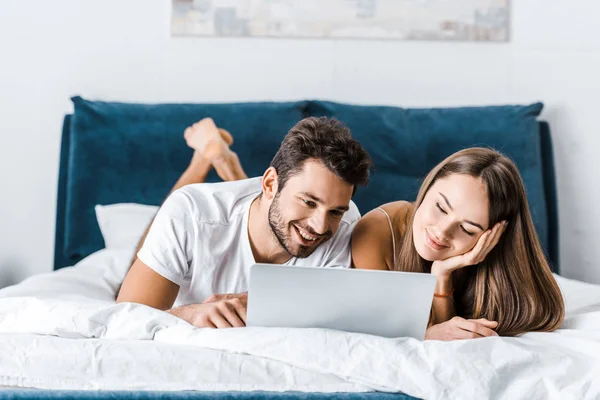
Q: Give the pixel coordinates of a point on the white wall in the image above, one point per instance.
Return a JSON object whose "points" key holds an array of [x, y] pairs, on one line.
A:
{"points": [[122, 50]]}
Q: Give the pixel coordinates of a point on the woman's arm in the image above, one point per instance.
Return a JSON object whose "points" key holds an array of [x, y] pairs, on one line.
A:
{"points": [[442, 308], [443, 303]]}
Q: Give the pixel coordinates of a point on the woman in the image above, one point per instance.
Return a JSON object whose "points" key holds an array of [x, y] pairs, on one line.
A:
{"points": [[471, 227]]}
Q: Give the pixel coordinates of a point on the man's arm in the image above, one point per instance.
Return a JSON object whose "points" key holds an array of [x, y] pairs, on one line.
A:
{"points": [[162, 263], [156, 276], [139, 279], [218, 311]]}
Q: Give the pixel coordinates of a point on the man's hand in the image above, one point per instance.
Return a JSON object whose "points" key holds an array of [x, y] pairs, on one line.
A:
{"points": [[218, 311], [216, 297], [459, 328]]}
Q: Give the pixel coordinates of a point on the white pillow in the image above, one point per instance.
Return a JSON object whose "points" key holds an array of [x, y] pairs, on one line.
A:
{"points": [[122, 225]]}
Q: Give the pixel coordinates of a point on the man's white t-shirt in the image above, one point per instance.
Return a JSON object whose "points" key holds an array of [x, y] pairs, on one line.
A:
{"points": [[199, 240]]}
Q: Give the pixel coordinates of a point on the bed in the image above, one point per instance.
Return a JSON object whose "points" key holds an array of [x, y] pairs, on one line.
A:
{"points": [[62, 336]]}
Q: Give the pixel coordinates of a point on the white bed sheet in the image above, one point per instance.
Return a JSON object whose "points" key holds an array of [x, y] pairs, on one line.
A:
{"points": [[63, 331]]}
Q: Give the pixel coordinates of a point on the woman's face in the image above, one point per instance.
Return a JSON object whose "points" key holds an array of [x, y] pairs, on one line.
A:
{"points": [[452, 217]]}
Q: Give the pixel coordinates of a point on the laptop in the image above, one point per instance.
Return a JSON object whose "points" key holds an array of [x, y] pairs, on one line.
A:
{"points": [[382, 303]]}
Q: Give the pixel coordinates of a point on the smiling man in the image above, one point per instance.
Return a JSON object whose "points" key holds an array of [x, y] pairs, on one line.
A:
{"points": [[205, 237]]}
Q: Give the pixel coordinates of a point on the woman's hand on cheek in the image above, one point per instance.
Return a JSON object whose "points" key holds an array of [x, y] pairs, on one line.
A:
{"points": [[477, 254]]}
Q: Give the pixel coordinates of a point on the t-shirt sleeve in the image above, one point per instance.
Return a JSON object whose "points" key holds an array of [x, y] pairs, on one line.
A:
{"points": [[168, 246], [338, 253]]}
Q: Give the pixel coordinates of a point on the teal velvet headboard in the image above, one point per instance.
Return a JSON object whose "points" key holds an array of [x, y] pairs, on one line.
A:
{"points": [[119, 152]]}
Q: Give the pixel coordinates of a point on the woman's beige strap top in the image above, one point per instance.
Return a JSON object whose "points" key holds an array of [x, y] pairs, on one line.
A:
{"points": [[393, 238]]}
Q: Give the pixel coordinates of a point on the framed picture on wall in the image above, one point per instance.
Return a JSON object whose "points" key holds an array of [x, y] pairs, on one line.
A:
{"points": [[464, 20]]}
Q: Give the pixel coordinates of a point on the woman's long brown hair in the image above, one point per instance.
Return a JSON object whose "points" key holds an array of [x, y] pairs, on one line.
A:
{"points": [[514, 284]]}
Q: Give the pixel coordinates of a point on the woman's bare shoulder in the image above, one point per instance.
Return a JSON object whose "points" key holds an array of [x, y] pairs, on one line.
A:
{"points": [[399, 212], [372, 238], [398, 206]]}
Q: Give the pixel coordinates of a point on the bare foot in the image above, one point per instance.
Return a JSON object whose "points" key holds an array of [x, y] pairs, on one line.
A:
{"points": [[228, 167], [215, 150], [226, 136], [211, 147], [198, 161], [208, 140]]}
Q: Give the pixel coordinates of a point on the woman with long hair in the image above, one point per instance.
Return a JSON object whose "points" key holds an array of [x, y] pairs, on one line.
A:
{"points": [[471, 227]]}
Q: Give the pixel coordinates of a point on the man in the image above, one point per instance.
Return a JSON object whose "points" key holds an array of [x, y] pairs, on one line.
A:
{"points": [[205, 237]]}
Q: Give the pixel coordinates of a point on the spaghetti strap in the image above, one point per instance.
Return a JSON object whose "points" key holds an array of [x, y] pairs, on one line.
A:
{"points": [[392, 231]]}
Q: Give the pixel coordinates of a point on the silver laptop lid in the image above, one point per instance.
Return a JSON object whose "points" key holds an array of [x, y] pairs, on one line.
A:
{"points": [[383, 303]]}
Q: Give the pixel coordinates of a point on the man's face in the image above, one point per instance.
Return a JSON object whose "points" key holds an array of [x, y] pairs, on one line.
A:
{"points": [[308, 211]]}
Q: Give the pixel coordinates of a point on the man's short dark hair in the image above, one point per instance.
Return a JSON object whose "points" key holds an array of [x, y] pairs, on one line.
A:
{"points": [[326, 140]]}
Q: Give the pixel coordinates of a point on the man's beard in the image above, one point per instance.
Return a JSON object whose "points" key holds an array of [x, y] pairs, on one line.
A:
{"points": [[278, 227]]}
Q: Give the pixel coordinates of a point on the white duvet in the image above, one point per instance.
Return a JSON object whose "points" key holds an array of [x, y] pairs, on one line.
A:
{"points": [[63, 331]]}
